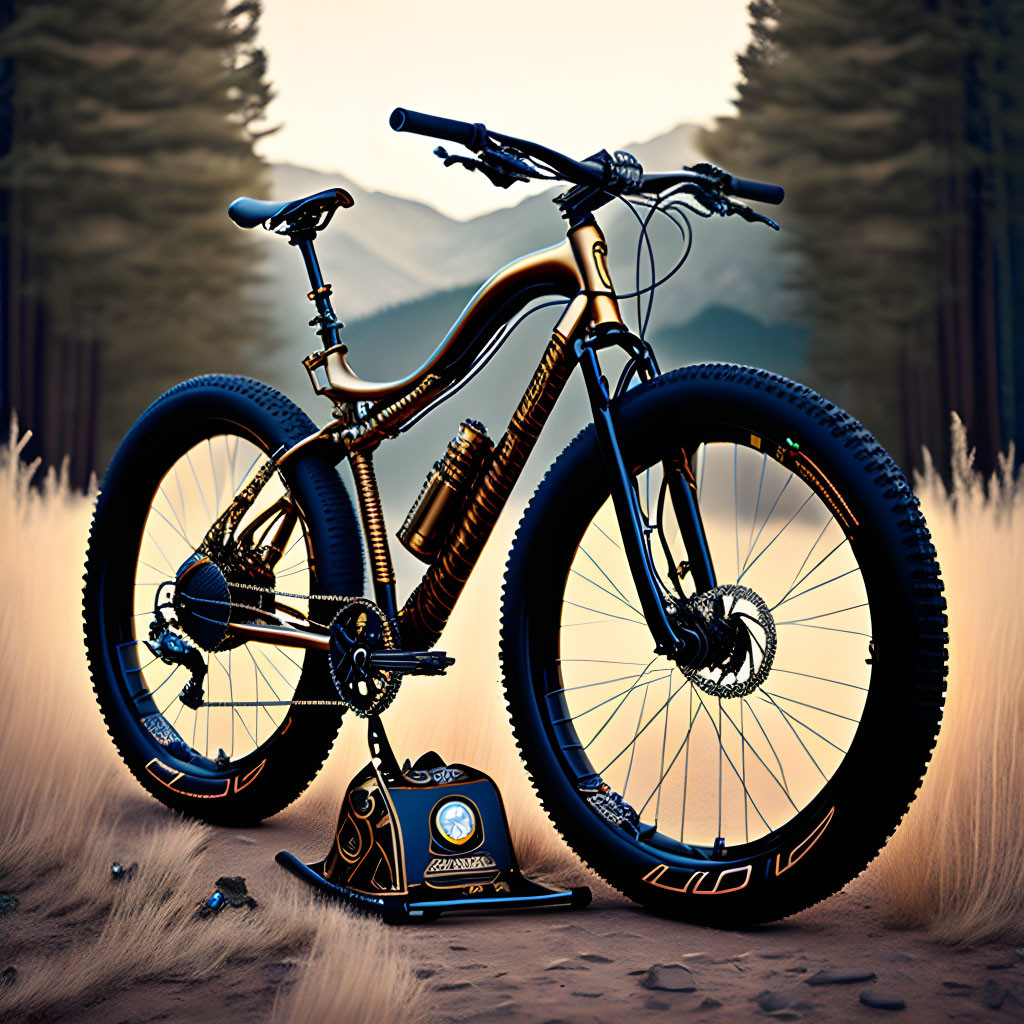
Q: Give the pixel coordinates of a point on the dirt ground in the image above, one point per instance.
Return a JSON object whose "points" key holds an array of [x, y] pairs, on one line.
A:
{"points": [[588, 965]]}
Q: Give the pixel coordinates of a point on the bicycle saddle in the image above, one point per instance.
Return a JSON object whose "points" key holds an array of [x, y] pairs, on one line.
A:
{"points": [[248, 213]]}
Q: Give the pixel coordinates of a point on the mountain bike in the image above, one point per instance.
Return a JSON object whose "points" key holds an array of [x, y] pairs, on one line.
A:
{"points": [[724, 576]]}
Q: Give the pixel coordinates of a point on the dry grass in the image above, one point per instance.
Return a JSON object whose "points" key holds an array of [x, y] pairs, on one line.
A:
{"points": [[60, 790], [956, 865]]}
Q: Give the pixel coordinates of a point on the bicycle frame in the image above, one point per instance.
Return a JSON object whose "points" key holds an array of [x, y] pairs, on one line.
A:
{"points": [[577, 269]]}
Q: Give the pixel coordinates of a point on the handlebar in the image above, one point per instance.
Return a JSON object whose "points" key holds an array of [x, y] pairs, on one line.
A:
{"points": [[472, 136], [477, 137], [758, 191]]}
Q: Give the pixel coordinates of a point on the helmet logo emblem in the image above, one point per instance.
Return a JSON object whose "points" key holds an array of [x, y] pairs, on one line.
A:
{"points": [[455, 821]]}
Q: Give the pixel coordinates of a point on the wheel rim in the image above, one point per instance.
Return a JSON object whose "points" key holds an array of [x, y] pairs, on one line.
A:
{"points": [[699, 770], [252, 684]]}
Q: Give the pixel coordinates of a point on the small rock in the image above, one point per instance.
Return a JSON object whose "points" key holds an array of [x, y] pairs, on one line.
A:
{"points": [[839, 977], [8, 904], [120, 873], [1002, 966], [565, 964], [425, 972], [709, 1004], [453, 986], [632, 973], [1020, 953], [879, 999], [588, 995], [993, 995], [957, 985], [458, 949], [796, 970], [230, 892], [656, 1004], [8, 976], [669, 978], [235, 892], [595, 958], [901, 955], [771, 1001]]}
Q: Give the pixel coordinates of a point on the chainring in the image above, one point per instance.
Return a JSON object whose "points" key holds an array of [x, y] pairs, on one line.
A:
{"points": [[358, 630], [745, 660]]}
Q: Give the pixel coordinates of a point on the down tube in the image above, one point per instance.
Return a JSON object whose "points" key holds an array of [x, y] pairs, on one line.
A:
{"points": [[425, 614]]}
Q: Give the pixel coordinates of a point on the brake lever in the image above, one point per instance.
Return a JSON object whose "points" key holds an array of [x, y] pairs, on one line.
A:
{"points": [[752, 216], [501, 168], [456, 158]]}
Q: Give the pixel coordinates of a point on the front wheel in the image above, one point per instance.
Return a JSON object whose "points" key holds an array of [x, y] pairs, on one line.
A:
{"points": [[773, 778]]}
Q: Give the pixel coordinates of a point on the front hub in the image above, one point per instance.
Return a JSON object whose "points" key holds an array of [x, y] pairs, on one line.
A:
{"points": [[740, 631]]}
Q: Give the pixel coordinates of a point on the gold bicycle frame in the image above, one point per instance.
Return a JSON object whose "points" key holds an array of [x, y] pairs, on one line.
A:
{"points": [[577, 269]]}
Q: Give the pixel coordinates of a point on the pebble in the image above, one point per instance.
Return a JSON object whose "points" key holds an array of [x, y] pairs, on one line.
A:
{"points": [[452, 986], [839, 977], [708, 1003], [993, 995], [564, 964], [771, 1001], [956, 985], [425, 972], [596, 958], [7, 904], [669, 978], [588, 995], [879, 999]]}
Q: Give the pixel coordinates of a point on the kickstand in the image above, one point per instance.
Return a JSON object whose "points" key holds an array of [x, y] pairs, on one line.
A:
{"points": [[381, 754]]}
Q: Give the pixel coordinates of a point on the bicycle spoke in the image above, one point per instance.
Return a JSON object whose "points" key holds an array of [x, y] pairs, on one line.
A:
{"points": [[723, 752], [611, 582], [605, 590], [623, 693], [803, 505], [625, 697], [807, 675], [816, 586], [607, 615]]}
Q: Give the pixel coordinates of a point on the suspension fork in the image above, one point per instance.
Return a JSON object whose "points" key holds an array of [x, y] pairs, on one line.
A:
{"points": [[679, 641]]}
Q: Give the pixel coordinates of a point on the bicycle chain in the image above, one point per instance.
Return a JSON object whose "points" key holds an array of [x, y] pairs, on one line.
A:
{"points": [[392, 680]]}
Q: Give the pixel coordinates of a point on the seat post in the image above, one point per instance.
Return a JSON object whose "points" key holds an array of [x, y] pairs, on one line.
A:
{"points": [[329, 327]]}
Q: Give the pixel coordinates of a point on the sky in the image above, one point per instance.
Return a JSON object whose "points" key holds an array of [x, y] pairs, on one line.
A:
{"points": [[577, 76]]}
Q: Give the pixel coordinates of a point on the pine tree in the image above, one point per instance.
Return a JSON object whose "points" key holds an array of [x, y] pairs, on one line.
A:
{"points": [[892, 126], [133, 128]]}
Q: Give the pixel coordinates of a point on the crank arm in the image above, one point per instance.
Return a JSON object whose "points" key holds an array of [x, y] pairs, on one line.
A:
{"points": [[418, 663], [421, 663]]}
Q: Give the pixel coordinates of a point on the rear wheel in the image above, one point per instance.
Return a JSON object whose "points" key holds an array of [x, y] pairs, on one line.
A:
{"points": [[773, 777], [253, 736]]}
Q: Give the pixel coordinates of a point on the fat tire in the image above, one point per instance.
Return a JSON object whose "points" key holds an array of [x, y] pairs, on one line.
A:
{"points": [[874, 785], [248, 791]]}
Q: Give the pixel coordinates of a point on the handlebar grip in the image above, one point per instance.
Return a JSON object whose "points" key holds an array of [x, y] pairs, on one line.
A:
{"points": [[759, 191], [472, 136]]}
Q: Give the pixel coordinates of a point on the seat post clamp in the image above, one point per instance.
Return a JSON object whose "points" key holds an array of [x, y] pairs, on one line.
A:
{"points": [[323, 291]]}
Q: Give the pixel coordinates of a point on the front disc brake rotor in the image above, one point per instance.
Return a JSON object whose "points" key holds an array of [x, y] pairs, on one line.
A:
{"points": [[745, 641]]}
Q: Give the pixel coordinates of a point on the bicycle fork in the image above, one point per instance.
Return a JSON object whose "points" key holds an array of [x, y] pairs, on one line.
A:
{"points": [[682, 640]]}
